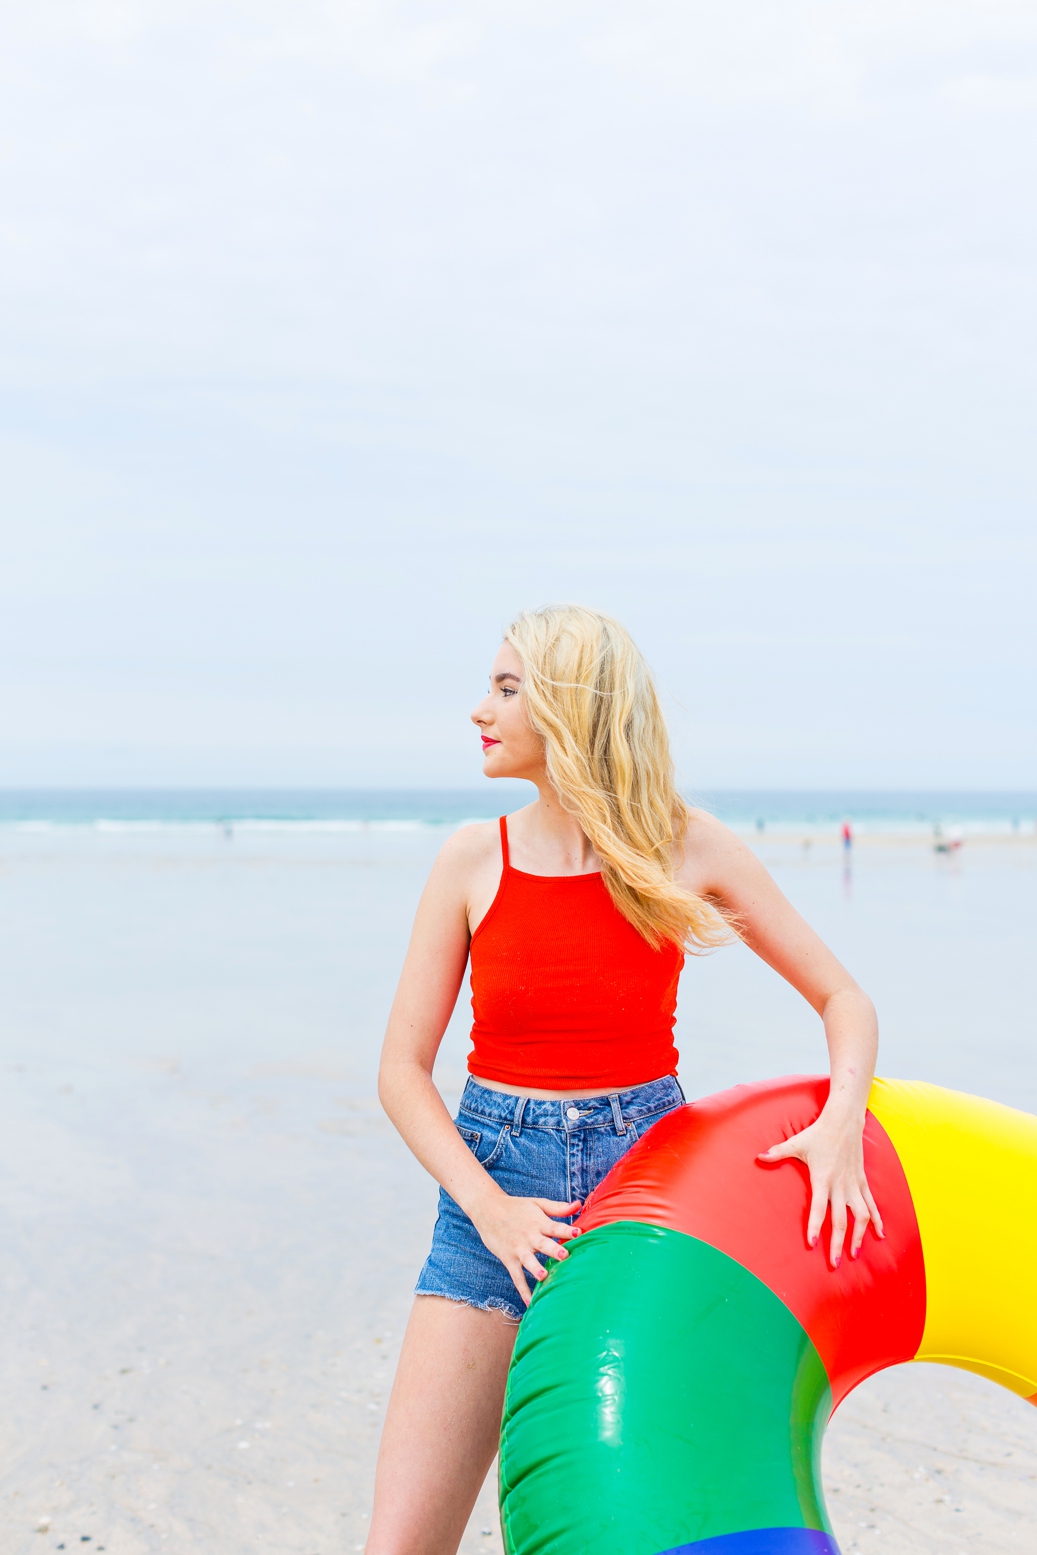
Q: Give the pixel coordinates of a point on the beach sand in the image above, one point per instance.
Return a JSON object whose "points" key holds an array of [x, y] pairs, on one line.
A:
{"points": [[212, 1233]]}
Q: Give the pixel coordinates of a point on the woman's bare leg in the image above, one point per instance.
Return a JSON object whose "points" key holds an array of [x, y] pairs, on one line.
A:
{"points": [[441, 1427]]}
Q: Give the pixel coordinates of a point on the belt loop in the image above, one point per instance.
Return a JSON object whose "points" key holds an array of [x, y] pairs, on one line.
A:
{"points": [[516, 1122], [617, 1113]]}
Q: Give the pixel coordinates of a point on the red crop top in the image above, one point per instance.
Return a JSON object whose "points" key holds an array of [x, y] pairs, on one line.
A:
{"points": [[566, 994]]}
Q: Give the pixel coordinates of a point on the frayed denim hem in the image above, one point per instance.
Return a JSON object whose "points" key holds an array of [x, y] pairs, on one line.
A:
{"points": [[491, 1304]]}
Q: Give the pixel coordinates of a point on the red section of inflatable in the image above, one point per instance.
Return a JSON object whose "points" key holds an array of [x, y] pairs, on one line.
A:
{"points": [[696, 1171]]}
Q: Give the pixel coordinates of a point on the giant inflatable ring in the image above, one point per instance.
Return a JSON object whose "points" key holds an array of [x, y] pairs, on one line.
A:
{"points": [[673, 1376]]}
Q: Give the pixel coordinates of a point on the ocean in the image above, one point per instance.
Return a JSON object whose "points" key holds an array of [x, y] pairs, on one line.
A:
{"points": [[905, 811]]}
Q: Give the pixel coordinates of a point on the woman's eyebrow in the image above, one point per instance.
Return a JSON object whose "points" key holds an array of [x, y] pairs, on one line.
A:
{"points": [[506, 675]]}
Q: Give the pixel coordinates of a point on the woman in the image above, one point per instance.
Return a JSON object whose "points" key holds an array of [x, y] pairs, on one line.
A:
{"points": [[576, 912]]}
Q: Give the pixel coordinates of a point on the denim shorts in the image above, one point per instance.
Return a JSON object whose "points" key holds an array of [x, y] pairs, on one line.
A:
{"points": [[534, 1150]]}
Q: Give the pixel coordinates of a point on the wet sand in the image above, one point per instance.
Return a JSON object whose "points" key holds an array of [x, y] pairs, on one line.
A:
{"points": [[211, 1233]]}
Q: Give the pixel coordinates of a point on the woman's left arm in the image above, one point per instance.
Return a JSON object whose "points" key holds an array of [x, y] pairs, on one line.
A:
{"points": [[718, 866]]}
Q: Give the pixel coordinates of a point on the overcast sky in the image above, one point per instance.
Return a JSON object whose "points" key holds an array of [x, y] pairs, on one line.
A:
{"points": [[333, 333]]}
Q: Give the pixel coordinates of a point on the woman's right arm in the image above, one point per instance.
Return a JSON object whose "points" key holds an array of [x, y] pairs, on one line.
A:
{"points": [[512, 1228]]}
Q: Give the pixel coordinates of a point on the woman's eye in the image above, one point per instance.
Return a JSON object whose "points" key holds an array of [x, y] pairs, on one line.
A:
{"points": [[508, 691]]}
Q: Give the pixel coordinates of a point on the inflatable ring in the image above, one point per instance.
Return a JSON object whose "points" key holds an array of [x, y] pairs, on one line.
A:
{"points": [[673, 1376]]}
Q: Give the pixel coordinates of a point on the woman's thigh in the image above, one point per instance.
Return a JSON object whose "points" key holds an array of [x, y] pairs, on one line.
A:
{"points": [[441, 1427]]}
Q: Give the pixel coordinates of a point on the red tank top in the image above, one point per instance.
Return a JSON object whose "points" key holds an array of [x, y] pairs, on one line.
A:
{"points": [[566, 994]]}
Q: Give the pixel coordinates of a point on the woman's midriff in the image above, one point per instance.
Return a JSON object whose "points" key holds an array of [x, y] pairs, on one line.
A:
{"points": [[536, 1095]]}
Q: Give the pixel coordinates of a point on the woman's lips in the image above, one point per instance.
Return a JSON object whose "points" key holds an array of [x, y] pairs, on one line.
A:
{"points": [[487, 743]]}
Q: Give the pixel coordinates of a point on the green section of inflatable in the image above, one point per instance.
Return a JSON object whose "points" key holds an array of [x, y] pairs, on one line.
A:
{"points": [[659, 1393]]}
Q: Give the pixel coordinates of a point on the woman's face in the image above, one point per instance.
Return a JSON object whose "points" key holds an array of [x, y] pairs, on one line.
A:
{"points": [[511, 748]]}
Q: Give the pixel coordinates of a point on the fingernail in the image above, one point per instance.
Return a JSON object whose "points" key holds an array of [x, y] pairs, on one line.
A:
{"points": [[813, 1241], [836, 1262]]}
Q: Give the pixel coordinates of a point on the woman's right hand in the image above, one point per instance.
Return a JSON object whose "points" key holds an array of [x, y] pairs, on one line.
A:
{"points": [[517, 1229]]}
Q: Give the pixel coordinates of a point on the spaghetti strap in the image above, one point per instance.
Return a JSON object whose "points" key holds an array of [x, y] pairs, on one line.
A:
{"points": [[504, 843]]}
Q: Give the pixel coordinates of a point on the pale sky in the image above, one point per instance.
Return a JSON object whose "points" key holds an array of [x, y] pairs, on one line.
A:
{"points": [[333, 333]]}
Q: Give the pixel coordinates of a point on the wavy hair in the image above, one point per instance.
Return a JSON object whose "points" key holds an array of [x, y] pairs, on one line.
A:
{"points": [[590, 696]]}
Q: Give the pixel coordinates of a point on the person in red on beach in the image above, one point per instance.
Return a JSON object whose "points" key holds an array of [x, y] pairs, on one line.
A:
{"points": [[575, 914]]}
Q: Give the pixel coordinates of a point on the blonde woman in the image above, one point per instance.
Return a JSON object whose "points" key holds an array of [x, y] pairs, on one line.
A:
{"points": [[575, 913]]}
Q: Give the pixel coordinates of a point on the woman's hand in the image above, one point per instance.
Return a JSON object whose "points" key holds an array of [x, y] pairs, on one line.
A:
{"points": [[832, 1150], [517, 1229]]}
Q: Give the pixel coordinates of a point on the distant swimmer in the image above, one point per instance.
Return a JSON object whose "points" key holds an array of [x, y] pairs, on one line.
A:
{"points": [[949, 843]]}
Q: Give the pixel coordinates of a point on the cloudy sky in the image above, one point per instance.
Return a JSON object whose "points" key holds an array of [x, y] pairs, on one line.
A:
{"points": [[333, 333]]}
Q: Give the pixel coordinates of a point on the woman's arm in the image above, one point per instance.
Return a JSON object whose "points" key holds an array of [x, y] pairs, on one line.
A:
{"points": [[512, 1228], [717, 865]]}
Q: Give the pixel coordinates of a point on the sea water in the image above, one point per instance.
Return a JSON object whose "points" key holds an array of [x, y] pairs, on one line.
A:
{"points": [[757, 810]]}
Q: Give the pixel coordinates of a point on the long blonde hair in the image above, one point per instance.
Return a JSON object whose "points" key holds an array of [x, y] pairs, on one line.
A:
{"points": [[591, 698]]}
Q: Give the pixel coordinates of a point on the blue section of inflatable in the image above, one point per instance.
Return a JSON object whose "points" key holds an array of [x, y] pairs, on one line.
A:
{"points": [[763, 1541]]}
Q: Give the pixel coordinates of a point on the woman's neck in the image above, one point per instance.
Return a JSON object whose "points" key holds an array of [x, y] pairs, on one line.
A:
{"points": [[555, 837]]}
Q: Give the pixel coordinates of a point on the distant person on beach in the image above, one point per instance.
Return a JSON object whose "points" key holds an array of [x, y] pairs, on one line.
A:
{"points": [[575, 913], [948, 842], [847, 836]]}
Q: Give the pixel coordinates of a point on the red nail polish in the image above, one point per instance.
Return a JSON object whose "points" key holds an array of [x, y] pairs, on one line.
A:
{"points": [[836, 1262]]}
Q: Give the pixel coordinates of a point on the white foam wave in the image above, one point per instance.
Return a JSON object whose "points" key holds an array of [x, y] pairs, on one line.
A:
{"points": [[246, 824]]}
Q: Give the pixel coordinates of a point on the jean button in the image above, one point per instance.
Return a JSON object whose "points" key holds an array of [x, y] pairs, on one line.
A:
{"points": [[572, 1113]]}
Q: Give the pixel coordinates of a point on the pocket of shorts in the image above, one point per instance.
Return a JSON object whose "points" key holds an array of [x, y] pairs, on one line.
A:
{"points": [[474, 1140]]}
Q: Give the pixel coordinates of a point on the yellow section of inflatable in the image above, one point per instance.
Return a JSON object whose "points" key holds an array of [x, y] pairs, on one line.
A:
{"points": [[971, 1166]]}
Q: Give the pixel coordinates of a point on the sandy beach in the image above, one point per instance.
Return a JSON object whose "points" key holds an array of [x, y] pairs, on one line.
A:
{"points": [[211, 1232]]}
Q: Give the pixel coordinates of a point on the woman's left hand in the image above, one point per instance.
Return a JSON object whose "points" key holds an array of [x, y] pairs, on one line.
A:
{"points": [[832, 1149]]}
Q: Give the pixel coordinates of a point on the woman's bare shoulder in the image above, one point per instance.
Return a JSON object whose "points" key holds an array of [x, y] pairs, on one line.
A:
{"points": [[707, 845], [704, 830], [471, 847]]}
